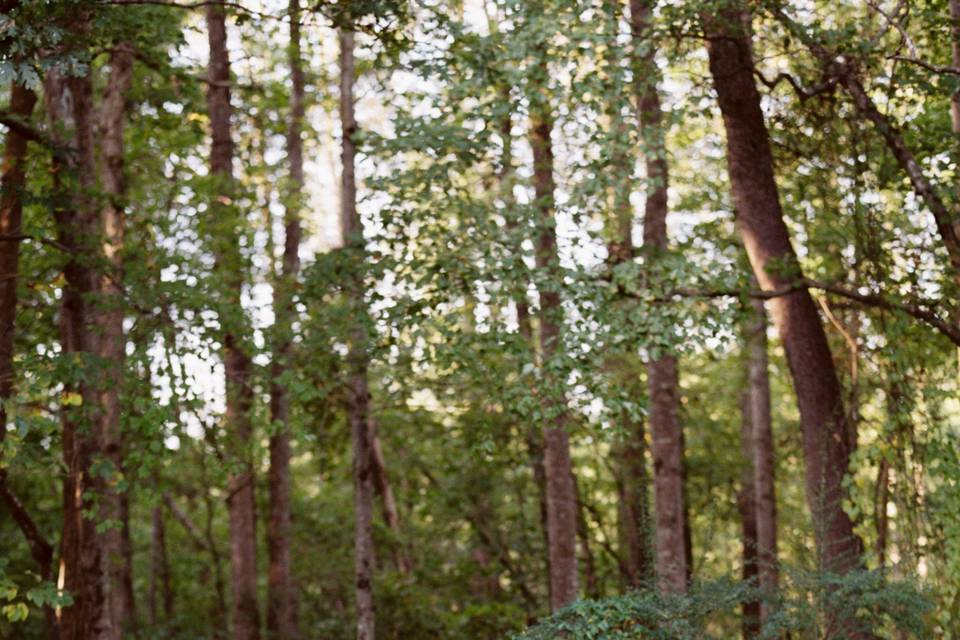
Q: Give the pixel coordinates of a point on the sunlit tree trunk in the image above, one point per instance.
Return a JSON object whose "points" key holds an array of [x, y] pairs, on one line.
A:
{"points": [[358, 392], [225, 227], [760, 220], [671, 536], [281, 601]]}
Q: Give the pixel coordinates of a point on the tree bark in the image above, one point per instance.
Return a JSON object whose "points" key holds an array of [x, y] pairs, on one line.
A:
{"points": [[671, 535], [69, 104], [358, 392], [750, 163], [115, 508], [161, 594], [746, 501], [760, 453], [12, 186], [281, 602], [381, 484], [558, 468], [237, 362]]}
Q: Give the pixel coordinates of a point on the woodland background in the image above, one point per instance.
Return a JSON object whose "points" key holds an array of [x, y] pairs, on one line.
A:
{"points": [[479, 319]]}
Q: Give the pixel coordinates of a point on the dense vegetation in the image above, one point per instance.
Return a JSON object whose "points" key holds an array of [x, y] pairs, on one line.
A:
{"points": [[479, 319]]}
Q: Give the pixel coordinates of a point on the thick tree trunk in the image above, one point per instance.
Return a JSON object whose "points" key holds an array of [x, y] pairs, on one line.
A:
{"points": [[760, 454], [358, 392], [281, 602], [825, 440], [12, 184], [81, 553], [671, 535], [115, 506], [558, 468], [237, 363]]}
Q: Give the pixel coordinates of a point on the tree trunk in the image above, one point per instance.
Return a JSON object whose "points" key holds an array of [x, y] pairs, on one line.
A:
{"points": [[358, 392], [161, 593], [955, 59], [281, 601], [115, 505], [671, 535], [591, 581], [558, 468], [69, 104], [12, 185], [746, 501], [823, 422], [391, 515], [237, 362], [760, 453]]}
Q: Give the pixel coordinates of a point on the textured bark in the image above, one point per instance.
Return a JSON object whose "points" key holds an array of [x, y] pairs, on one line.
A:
{"points": [[671, 535], [358, 392], [633, 508], [558, 468], [281, 600], [760, 453], [69, 104], [110, 313], [237, 363], [760, 219], [160, 596]]}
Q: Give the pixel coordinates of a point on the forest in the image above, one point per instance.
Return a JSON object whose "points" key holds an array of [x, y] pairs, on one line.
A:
{"points": [[479, 319]]}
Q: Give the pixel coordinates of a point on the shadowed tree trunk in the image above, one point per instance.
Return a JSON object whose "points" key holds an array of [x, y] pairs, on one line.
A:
{"points": [[671, 537], [826, 443], [760, 452], [225, 225], [281, 602], [12, 184], [558, 467], [358, 392], [69, 104], [115, 507], [160, 596]]}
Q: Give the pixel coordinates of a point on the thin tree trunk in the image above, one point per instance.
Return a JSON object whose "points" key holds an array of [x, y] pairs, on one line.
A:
{"points": [[755, 196], [746, 501], [358, 392], [505, 178], [237, 362], [12, 185], [81, 552], [161, 593], [391, 515], [671, 535], [115, 507], [592, 582], [760, 453], [558, 468], [281, 601]]}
